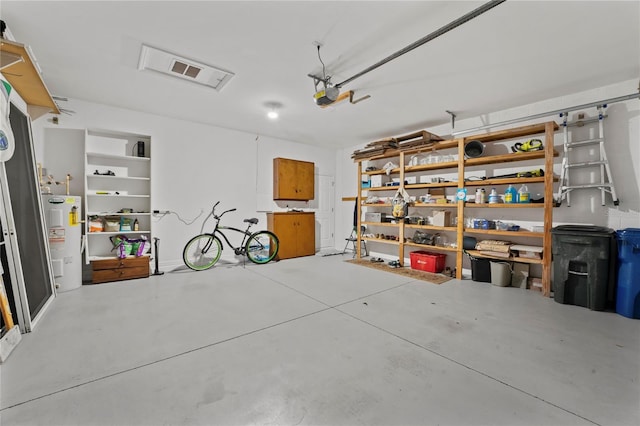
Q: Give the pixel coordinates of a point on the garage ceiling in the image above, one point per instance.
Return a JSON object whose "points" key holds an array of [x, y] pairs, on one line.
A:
{"points": [[517, 53]]}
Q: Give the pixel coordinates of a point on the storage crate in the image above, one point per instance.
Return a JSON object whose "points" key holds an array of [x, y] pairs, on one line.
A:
{"points": [[427, 261]]}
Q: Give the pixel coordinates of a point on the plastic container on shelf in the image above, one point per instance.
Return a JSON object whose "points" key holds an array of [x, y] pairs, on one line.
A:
{"points": [[510, 195], [523, 194], [628, 292], [494, 198], [427, 261]]}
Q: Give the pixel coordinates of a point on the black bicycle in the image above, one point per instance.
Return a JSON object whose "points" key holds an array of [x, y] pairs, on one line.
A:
{"points": [[204, 250]]}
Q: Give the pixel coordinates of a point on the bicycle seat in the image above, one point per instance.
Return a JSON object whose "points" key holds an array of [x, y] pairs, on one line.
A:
{"points": [[252, 221]]}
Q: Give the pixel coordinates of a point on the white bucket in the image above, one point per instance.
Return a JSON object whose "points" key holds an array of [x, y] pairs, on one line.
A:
{"points": [[500, 274]]}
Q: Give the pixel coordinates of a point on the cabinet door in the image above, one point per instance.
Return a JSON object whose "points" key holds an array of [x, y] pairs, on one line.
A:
{"points": [[306, 234], [286, 231], [292, 179], [305, 182]]}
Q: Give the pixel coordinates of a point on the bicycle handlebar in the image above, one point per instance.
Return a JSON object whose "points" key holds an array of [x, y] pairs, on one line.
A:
{"points": [[221, 214]]}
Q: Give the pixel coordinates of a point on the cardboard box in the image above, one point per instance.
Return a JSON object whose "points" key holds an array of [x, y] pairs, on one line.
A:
{"points": [[378, 181], [441, 218], [520, 275], [535, 284], [410, 180], [374, 217]]}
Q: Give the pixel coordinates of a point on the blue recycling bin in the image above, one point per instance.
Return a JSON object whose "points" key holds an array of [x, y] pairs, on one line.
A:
{"points": [[628, 297]]}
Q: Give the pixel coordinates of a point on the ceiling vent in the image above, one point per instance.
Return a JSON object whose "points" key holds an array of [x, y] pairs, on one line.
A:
{"points": [[178, 66]]}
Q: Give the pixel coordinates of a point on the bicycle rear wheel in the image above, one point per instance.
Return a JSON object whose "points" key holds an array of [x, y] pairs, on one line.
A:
{"points": [[262, 247], [202, 252]]}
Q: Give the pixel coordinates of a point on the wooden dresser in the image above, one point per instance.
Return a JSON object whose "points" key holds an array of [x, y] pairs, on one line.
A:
{"points": [[116, 269], [296, 232]]}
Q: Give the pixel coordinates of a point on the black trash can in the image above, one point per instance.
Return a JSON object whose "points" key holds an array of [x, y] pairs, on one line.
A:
{"points": [[480, 269], [584, 259]]}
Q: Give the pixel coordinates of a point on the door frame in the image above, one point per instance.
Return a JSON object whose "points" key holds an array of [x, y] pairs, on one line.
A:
{"points": [[24, 320], [331, 202]]}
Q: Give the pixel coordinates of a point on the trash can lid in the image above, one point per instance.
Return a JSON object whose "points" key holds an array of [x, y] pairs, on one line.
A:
{"points": [[598, 231], [628, 234]]}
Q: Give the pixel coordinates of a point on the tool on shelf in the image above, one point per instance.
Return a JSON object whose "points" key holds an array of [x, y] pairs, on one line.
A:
{"points": [[606, 180]]}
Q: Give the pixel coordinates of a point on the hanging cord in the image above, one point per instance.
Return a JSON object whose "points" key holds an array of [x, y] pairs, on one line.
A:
{"points": [[168, 212], [324, 75]]}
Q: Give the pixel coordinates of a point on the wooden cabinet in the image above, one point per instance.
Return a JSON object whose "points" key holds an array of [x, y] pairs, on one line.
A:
{"points": [[119, 269], [467, 171], [293, 180], [296, 232]]}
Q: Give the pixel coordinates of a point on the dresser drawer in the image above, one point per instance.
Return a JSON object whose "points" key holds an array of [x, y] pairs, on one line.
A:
{"points": [[119, 269], [115, 262]]}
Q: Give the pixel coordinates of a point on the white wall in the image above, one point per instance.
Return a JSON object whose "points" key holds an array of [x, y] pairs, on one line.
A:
{"points": [[622, 134], [193, 165]]}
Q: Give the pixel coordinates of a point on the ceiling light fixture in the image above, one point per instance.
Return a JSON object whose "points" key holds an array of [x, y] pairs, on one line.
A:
{"points": [[273, 108]]}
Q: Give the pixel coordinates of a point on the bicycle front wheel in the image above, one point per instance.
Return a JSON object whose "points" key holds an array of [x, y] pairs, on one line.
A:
{"points": [[202, 252], [262, 247]]}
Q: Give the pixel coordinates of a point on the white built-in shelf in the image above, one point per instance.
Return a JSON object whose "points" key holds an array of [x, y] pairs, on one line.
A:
{"points": [[117, 157], [118, 232], [118, 177], [117, 214], [119, 195]]}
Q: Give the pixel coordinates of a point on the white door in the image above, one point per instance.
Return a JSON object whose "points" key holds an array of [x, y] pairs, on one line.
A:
{"points": [[324, 213]]}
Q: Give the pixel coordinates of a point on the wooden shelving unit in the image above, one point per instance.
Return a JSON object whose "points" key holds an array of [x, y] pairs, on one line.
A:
{"points": [[546, 156]]}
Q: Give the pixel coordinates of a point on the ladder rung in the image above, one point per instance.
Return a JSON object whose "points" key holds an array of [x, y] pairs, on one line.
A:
{"points": [[584, 142], [590, 163], [591, 185]]}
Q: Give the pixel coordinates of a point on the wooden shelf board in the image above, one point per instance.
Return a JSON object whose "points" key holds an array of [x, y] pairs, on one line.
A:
{"points": [[382, 188], [505, 206], [507, 233], [507, 158], [380, 240], [392, 225], [448, 144], [478, 253], [430, 185], [506, 181], [25, 78], [431, 227], [517, 132], [376, 205], [435, 205], [427, 247]]}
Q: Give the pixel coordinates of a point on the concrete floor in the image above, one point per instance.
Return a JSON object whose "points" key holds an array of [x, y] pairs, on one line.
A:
{"points": [[319, 341]]}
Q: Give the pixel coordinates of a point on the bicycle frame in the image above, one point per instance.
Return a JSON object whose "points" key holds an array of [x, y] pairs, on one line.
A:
{"points": [[260, 247], [217, 230]]}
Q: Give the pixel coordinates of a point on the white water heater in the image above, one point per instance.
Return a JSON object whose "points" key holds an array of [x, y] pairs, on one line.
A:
{"points": [[62, 213]]}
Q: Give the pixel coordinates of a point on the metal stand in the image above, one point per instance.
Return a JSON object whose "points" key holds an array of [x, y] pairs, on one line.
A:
{"points": [[606, 180], [157, 271]]}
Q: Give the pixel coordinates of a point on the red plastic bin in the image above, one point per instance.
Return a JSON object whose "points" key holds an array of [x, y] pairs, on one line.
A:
{"points": [[427, 261]]}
